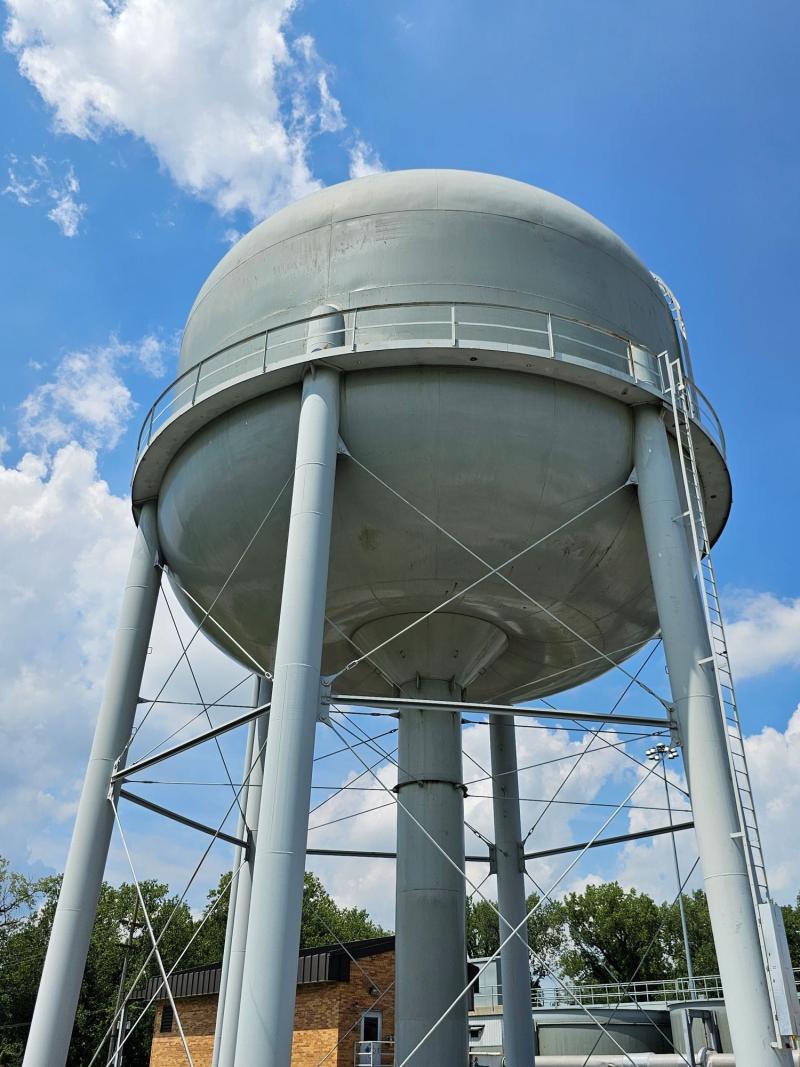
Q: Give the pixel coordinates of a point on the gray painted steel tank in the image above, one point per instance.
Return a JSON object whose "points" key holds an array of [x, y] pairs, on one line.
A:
{"points": [[701, 1027], [561, 1032], [493, 341]]}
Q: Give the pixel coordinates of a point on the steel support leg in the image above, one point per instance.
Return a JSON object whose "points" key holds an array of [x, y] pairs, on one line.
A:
{"points": [[241, 920], [700, 722], [59, 988], [431, 947], [269, 983], [233, 892], [518, 1040]]}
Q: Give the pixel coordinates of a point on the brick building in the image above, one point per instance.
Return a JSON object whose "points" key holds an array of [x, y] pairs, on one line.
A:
{"points": [[335, 1007]]}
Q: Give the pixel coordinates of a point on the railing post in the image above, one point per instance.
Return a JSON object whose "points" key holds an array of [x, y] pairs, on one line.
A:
{"points": [[354, 327], [196, 382], [661, 359], [550, 340], [266, 346], [453, 339]]}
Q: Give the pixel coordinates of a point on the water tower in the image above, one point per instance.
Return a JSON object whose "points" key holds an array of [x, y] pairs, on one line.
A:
{"points": [[464, 406]]}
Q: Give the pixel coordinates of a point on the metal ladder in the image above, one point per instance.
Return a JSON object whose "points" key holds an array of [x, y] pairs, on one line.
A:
{"points": [[771, 932], [678, 391]]}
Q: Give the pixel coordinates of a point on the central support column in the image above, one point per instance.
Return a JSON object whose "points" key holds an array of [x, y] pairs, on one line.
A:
{"points": [[518, 1043], [431, 949], [269, 983], [700, 721]]}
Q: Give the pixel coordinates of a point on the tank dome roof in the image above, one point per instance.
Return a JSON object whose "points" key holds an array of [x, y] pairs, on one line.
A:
{"points": [[427, 190], [427, 237]]}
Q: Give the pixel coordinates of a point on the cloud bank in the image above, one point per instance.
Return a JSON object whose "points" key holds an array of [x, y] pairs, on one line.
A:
{"points": [[226, 100]]}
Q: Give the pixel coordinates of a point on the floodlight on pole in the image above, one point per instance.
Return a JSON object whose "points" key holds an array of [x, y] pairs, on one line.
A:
{"points": [[661, 753]]}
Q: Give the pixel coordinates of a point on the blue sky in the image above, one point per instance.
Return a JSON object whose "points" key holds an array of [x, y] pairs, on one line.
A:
{"points": [[674, 125]]}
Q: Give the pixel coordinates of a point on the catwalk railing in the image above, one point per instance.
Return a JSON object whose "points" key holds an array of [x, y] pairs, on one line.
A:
{"points": [[670, 990], [424, 325]]}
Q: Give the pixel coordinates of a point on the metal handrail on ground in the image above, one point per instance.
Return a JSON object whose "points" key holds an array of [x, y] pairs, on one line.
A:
{"points": [[667, 990], [535, 333], [374, 1054]]}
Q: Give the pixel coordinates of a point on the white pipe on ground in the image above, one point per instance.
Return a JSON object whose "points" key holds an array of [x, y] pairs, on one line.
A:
{"points": [[645, 1059]]}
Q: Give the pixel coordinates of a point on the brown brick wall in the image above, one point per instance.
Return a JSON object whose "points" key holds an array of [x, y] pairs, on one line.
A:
{"points": [[316, 1025], [198, 1015], [326, 1019], [355, 998]]}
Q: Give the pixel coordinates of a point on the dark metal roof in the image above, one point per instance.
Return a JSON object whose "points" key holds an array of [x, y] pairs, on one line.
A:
{"points": [[323, 963]]}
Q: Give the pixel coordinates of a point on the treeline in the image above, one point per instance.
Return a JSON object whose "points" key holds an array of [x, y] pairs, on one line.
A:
{"points": [[603, 934], [609, 934], [26, 916]]}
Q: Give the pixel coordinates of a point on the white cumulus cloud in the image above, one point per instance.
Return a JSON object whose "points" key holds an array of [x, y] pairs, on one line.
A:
{"points": [[364, 159], [226, 100], [545, 759], [65, 543], [764, 633], [42, 181], [87, 399], [773, 758]]}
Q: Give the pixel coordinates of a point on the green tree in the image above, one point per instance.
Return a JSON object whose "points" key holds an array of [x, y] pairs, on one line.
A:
{"points": [[209, 943], [701, 939], [614, 935], [20, 961], [324, 922], [546, 936], [23, 942], [791, 920], [482, 930]]}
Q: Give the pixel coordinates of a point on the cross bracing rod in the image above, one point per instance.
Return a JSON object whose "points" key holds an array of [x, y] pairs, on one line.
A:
{"points": [[392, 702], [500, 709], [183, 819], [515, 931], [185, 746], [221, 896], [151, 932], [561, 850], [619, 839]]}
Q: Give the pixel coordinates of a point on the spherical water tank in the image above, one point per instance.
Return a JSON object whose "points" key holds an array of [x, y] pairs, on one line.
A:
{"points": [[492, 341]]}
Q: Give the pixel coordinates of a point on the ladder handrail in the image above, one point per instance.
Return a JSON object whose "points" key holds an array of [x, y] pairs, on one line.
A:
{"points": [[705, 573], [719, 661]]}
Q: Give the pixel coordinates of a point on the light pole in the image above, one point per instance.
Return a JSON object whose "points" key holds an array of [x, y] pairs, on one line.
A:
{"points": [[115, 1043], [662, 753]]}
